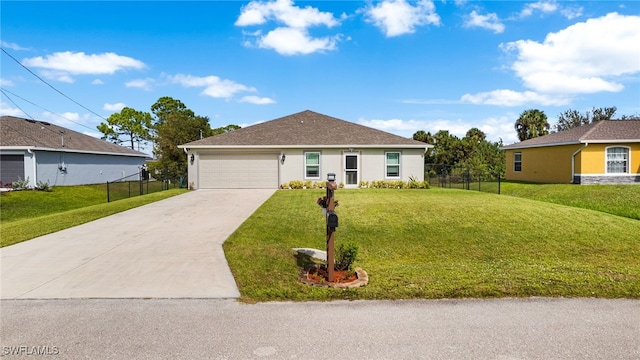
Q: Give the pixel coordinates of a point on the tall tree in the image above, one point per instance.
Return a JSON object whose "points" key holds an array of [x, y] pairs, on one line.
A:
{"points": [[167, 105], [423, 136], [128, 126], [174, 125], [570, 119], [531, 124]]}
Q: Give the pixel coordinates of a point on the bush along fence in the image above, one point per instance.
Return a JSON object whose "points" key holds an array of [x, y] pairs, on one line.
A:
{"points": [[462, 177], [135, 185]]}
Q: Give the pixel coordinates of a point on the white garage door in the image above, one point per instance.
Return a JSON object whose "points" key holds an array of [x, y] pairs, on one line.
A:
{"points": [[239, 171]]}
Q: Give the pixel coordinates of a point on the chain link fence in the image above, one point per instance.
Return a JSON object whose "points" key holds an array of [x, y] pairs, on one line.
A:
{"points": [[135, 185], [462, 177]]}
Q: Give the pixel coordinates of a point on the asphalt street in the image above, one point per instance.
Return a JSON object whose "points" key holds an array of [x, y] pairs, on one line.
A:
{"points": [[536, 328]]}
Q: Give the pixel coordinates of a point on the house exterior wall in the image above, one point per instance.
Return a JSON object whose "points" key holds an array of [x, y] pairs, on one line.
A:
{"points": [[371, 163], [592, 169], [551, 164], [60, 169]]}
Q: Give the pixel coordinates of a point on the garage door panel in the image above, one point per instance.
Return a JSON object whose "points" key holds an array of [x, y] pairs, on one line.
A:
{"points": [[238, 171]]}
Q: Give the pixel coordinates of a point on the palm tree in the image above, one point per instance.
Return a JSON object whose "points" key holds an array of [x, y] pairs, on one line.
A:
{"points": [[531, 123]]}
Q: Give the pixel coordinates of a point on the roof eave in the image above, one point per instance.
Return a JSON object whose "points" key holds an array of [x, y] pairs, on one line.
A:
{"points": [[34, 148], [619, 141], [515, 146], [315, 146]]}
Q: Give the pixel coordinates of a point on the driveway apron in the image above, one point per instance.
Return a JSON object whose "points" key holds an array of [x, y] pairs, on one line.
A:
{"points": [[168, 249]]}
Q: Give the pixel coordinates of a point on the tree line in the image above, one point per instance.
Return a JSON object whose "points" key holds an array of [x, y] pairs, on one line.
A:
{"points": [[474, 151], [533, 123], [169, 124]]}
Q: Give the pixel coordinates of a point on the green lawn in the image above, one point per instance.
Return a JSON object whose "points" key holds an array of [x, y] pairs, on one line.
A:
{"points": [[25, 215], [440, 243], [622, 200]]}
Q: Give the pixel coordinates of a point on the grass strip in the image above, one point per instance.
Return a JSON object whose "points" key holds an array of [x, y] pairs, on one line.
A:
{"points": [[23, 229]]}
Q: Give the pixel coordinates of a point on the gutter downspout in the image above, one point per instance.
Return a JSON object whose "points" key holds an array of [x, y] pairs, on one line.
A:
{"points": [[35, 174], [573, 161]]}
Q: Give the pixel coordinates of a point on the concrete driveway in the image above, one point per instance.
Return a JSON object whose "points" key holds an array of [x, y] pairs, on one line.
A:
{"points": [[168, 249]]}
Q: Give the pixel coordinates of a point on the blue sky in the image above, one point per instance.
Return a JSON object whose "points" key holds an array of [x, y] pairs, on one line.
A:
{"points": [[399, 66]]}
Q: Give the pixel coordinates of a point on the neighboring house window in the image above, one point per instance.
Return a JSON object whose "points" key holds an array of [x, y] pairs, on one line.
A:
{"points": [[312, 165], [392, 164], [617, 160], [517, 161]]}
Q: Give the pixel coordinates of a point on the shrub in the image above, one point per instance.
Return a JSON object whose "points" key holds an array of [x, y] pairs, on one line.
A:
{"points": [[285, 186], [296, 184], [346, 255], [20, 184], [43, 186], [307, 184]]}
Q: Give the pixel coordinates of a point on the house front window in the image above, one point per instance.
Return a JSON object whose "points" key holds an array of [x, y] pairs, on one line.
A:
{"points": [[392, 165], [312, 165], [517, 161], [617, 160]]}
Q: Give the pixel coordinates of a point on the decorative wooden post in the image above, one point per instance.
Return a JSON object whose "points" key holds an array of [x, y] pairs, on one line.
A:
{"points": [[332, 223]]}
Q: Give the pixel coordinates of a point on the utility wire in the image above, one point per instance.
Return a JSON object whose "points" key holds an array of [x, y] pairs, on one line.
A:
{"points": [[51, 86], [16, 105], [4, 91]]}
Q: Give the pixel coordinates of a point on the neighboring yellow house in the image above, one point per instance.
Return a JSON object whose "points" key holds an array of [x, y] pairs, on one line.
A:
{"points": [[603, 152]]}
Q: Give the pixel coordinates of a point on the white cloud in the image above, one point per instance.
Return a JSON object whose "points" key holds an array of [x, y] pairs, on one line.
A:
{"points": [[293, 41], [257, 100], [505, 97], [397, 17], [145, 84], [57, 75], [97, 82], [586, 57], [213, 85], [284, 11], [541, 6], [12, 46], [572, 12], [8, 110], [5, 82], [293, 38], [494, 127], [113, 107], [61, 65], [489, 22]]}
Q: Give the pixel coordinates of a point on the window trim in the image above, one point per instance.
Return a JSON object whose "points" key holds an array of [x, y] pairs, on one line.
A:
{"points": [[386, 165], [305, 167], [516, 162], [606, 159]]}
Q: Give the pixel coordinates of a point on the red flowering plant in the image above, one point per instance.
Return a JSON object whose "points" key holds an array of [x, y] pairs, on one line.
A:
{"points": [[323, 202]]}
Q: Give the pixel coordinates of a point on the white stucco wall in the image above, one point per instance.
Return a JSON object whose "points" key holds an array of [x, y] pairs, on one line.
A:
{"points": [[371, 163]]}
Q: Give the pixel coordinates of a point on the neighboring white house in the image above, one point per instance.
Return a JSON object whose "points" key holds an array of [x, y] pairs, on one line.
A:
{"points": [[303, 146], [44, 152]]}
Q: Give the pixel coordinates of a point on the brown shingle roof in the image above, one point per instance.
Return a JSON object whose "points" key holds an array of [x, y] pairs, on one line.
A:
{"points": [[23, 133], [306, 128], [614, 131]]}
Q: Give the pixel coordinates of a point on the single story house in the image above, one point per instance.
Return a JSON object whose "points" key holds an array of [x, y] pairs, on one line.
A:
{"points": [[603, 152], [43, 152], [304, 146]]}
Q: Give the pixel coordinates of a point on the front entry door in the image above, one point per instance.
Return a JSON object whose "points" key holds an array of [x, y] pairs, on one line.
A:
{"points": [[351, 171]]}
